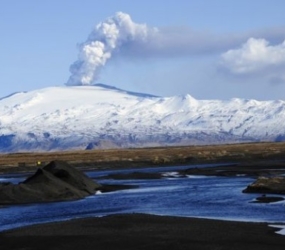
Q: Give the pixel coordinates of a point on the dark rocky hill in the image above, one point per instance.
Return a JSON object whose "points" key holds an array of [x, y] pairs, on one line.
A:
{"points": [[57, 181]]}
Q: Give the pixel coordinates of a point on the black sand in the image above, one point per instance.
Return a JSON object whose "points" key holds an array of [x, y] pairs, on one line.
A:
{"points": [[138, 231]]}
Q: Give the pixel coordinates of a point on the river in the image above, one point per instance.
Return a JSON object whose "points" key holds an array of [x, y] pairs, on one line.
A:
{"points": [[193, 196]]}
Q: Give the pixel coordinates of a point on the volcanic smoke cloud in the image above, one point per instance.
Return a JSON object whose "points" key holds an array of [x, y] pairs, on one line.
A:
{"points": [[104, 40], [120, 36]]}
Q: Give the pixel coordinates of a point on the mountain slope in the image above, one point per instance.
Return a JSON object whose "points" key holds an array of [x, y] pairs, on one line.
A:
{"points": [[61, 118]]}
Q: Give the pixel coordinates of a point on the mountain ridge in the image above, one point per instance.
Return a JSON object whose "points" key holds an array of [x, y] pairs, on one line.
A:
{"points": [[102, 116]]}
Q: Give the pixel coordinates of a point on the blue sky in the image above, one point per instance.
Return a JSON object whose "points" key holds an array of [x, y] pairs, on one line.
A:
{"points": [[211, 49]]}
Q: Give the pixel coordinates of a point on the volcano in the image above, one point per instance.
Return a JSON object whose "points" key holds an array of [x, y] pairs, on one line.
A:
{"points": [[102, 116]]}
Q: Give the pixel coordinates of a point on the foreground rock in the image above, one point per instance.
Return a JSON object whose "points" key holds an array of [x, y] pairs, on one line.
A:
{"points": [[57, 181], [267, 185]]}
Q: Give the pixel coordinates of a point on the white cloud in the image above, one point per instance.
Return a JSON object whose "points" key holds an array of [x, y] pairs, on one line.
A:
{"points": [[254, 56]]}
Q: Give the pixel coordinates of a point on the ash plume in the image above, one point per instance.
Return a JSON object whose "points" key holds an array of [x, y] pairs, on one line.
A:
{"points": [[119, 35], [104, 40]]}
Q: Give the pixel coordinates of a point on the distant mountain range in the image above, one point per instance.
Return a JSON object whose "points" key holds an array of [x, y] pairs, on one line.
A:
{"points": [[101, 116]]}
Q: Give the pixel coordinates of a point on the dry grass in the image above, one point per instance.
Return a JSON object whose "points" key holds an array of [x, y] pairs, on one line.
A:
{"points": [[151, 156]]}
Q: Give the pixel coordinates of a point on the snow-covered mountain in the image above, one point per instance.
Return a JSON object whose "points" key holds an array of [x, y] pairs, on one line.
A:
{"points": [[100, 116]]}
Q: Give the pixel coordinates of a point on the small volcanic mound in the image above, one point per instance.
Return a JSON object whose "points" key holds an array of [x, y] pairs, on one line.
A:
{"points": [[57, 181]]}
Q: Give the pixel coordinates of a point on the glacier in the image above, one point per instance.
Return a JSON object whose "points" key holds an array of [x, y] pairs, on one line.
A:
{"points": [[102, 116]]}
